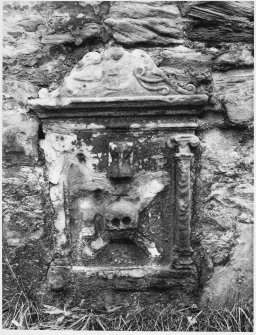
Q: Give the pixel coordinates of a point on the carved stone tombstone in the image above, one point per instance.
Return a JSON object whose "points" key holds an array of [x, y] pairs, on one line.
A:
{"points": [[119, 142]]}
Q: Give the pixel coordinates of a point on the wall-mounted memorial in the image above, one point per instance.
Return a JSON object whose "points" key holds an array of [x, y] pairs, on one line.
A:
{"points": [[119, 148]]}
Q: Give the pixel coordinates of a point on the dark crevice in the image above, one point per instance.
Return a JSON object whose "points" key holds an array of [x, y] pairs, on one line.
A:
{"points": [[41, 134]]}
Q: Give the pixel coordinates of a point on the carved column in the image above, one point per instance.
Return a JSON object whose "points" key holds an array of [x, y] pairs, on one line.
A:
{"points": [[183, 157]]}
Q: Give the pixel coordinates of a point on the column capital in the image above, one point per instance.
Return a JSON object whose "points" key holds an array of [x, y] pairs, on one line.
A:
{"points": [[183, 142]]}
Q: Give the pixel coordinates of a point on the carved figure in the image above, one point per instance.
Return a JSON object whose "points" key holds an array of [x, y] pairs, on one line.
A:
{"points": [[120, 159]]}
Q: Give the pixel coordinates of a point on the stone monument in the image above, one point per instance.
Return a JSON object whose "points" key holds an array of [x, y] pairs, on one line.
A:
{"points": [[119, 141]]}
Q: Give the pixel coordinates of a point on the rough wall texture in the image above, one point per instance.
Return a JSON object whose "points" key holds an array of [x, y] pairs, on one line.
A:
{"points": [[209, 44]]}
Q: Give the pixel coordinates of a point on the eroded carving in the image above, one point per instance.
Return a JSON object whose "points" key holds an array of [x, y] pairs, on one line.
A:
{"points": [[101, 211], [116, 72], [154, 79], [121, 216], [94, 211], [120, 159], [183, 142]]}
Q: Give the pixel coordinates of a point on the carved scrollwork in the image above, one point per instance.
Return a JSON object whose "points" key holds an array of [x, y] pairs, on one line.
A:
{"points": [[151, 83]]}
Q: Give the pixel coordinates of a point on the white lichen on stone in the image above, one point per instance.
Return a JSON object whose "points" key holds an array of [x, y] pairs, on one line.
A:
{"points": [[87, 231], [98, 244]]}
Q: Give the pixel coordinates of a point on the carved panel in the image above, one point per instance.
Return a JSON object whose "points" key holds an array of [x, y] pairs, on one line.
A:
{"points": [[101, 211], [122, 197]]}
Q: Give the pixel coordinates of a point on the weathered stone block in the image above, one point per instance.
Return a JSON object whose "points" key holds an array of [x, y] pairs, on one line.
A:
{"points": [[20, 138], [23, 204], [19, 92], [235, 55], [20, 132], [214, 21], [181, 57], [235, 90], [27, 230], [234, 282], [136, 22], [224, 199]]}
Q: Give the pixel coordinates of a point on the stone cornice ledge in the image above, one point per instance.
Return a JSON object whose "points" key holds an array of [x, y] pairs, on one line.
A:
{"points": [[127, 102]]}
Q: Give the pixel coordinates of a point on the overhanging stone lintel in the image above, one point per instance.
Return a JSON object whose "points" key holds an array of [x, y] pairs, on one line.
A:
{"points": [[122, 101]]}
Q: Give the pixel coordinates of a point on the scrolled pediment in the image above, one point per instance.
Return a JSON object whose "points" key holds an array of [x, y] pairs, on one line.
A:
{"points": [[117, 78], [117, 72]]}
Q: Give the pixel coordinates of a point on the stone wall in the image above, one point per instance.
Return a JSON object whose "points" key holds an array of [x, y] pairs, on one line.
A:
{"points": [[207, 43]]}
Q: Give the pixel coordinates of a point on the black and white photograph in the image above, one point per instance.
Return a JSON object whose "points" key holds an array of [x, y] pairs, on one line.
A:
{"points": [[128, 166]]}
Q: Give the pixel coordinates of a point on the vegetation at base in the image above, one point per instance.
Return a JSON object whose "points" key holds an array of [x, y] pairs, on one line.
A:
{"points": [[21, 313]]}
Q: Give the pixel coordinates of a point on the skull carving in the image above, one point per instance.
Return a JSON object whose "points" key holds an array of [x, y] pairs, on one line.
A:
{"points": [[121, 219], [105, 208]]}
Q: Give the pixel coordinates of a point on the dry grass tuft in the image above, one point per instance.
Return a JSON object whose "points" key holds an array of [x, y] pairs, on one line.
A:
{"points": [[20, 313]]}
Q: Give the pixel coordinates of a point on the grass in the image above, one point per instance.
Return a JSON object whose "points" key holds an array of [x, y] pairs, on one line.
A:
{"points": [[21, 313]]}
